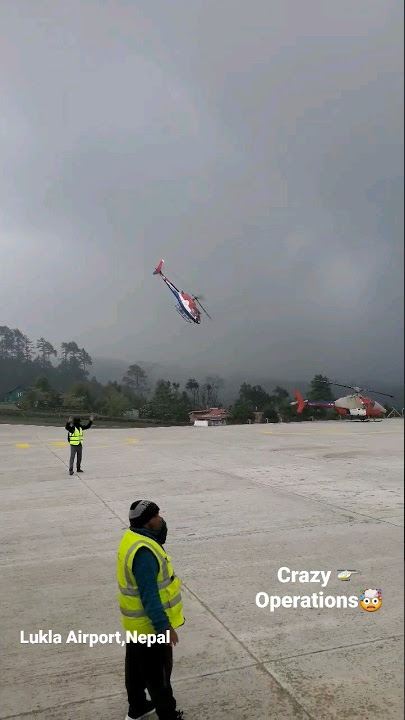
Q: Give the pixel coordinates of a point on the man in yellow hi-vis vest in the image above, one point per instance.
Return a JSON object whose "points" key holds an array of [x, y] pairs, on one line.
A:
{"points": [[75, 438], [151, 609]]}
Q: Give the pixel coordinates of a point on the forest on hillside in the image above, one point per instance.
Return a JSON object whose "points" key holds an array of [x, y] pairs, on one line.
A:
{"points": [[60, 379]]}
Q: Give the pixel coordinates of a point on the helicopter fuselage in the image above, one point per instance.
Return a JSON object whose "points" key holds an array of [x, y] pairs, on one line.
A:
{"points": [[350, 406], [186, 305], [359, 406]]}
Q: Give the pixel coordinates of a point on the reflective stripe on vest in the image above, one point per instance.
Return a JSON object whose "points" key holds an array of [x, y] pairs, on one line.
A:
{"points": [[76, 437], [133, 615], [142, 613]]}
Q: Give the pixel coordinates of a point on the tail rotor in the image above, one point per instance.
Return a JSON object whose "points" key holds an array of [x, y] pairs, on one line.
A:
{"points": [[300, 402], [158, 269]]}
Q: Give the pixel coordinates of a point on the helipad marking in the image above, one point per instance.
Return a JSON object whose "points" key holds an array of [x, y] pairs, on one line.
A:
{"points": [[23, 445]]}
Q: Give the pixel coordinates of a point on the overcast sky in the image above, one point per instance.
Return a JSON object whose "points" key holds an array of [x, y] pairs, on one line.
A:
{"points": [[255, 145]]}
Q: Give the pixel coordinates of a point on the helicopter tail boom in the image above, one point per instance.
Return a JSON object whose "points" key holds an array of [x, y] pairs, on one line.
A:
{"points": [[301, 403]]}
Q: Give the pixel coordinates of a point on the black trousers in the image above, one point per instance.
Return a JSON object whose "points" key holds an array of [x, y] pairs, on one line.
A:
{"points": [[73, 450], [150, 668]]}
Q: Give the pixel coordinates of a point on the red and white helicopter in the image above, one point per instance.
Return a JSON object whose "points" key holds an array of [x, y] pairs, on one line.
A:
{"points": [[186, 304], [355, 406]]}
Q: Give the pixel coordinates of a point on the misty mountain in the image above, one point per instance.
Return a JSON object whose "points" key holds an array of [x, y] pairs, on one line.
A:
{"points": [[112, 369]]}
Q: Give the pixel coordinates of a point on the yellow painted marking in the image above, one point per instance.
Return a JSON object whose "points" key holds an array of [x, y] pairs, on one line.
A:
{"points": [[131, 441], [23, 445], [59, 444]]}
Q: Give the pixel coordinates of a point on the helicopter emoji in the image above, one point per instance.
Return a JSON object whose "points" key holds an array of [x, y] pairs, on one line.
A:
{"points": [[352, 406], [186, 304], [345, 574]]}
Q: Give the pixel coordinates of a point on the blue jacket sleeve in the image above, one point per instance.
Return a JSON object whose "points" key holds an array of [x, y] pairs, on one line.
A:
{"points": [[145, 568]]}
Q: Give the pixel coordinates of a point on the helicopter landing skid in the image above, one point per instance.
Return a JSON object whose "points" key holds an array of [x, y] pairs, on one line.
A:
{"points": [[183, 314]]}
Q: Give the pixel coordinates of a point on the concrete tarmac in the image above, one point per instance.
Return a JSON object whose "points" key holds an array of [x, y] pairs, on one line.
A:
{"points": [[240, 503]]}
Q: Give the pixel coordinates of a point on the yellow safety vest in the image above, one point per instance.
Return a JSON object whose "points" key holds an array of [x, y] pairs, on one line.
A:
{"points": [[76, 437], [133, 615]]}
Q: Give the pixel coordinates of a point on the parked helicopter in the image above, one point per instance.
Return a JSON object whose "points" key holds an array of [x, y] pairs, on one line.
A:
{"points": [[351, 406], [186, 304]]}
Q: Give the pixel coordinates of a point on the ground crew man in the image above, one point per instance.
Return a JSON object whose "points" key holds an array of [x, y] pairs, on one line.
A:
{"points": [[75, 438], [151, 605]]}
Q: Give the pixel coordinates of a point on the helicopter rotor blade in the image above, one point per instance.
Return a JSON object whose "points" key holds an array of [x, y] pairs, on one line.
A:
{"points": [[329, 382], [357, 389], [376, 392], [202, 308]]}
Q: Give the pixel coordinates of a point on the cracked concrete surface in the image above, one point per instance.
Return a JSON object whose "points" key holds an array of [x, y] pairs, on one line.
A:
{"points": [[240, 503]]}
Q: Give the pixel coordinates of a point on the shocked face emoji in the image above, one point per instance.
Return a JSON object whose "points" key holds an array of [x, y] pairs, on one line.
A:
{"points": [[371, 599]]}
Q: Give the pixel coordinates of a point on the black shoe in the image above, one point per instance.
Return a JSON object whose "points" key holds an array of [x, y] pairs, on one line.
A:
{"points": [[146, 710], [70, 472], [79, 470]]}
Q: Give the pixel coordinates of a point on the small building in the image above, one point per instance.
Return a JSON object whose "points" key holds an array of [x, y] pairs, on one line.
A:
{"points": [[208, 417], [132, 414], [15, 395]]}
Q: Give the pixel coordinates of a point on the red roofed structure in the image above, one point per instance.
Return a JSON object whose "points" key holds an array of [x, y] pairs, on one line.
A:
{"points": [[213, 416]]}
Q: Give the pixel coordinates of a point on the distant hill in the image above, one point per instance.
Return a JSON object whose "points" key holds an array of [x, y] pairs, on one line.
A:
{"points": [[106, 369], [110, 369]]}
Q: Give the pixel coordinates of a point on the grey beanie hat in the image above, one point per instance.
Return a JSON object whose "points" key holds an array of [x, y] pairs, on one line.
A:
{"points": [[141, 511]]}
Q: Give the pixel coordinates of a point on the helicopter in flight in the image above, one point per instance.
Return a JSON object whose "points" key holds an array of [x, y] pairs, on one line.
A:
{"points": [[351, 406], [186, 304]]}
